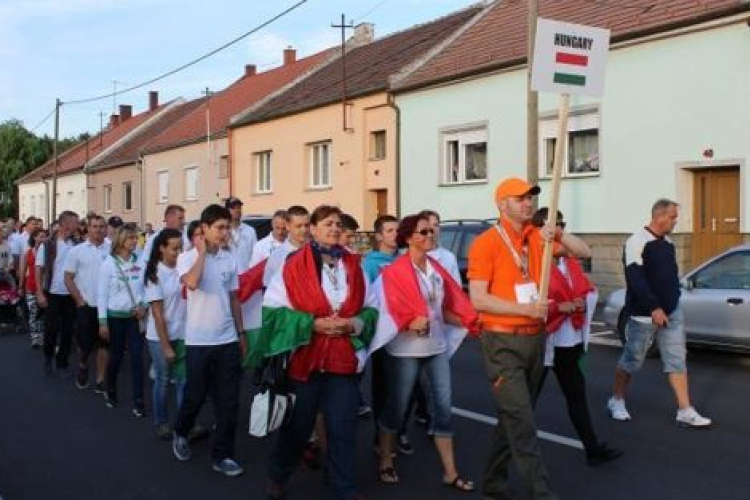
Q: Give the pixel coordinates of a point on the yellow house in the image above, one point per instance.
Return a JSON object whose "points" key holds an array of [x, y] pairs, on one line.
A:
{"points": [[332, 137]]}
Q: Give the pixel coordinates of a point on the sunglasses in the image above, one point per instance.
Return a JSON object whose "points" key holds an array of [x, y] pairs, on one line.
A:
{"points": [[425, 232]]}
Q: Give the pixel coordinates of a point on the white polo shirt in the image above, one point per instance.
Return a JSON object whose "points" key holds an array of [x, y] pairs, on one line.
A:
{"points": [[209, 314], [84, 261], [57, 286], [265, 247], [241, 243], [169, 291], [19, 243]]}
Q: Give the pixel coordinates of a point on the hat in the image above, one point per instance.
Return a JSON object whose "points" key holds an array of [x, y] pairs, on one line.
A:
{"points": [[232, 201], [115, 221], [515, 187]]}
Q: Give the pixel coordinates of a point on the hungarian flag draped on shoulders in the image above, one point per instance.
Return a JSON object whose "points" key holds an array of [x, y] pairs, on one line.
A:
{"points": [[250, 295], [400, 301], [294, 298]]}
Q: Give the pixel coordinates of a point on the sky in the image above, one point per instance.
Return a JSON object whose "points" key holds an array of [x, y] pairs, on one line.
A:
{"points": [[77, 49]]}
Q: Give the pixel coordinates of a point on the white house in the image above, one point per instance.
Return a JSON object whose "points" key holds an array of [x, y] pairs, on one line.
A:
{"points": [[674, 122]]}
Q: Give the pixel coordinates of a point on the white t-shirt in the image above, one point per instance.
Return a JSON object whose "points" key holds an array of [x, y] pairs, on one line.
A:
{"points": [[84, 261], [276, 261], [241, 243], [57, 286], [209, 314], [265, 247], [169, 291], [409, 344], [446, 259], [19, 243]]}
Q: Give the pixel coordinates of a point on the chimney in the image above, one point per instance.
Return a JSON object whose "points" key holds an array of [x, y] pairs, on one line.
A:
{"points": [[153, 100], [364, 33], [126, 111], [290, 56], [114, 120], [250, 69]]}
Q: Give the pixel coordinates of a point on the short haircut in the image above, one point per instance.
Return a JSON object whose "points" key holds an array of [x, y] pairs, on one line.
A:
{"points": [[67, 214], [172, 209], [349, 222], [296, 210], [407, 226], [31, 219], [661, 205], [213, 213], [540, 217], [382, 220], [430, 213], [192, 228], [323, 212], [280, 214], [93, 217]]}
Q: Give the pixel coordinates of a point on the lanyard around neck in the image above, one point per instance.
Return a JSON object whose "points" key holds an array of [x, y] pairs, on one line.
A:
{"points": [[521, 261]]}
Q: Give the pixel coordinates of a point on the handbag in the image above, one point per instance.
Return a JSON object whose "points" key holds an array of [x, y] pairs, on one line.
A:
{"points": [[141, 321], [271, 407]]}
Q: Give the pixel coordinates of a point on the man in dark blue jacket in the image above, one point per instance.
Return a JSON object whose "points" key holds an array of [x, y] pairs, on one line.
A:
{"points": [[652, 303]]}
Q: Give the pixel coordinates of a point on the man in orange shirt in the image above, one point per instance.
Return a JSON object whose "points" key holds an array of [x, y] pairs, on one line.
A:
{"points": [[505, 266]]}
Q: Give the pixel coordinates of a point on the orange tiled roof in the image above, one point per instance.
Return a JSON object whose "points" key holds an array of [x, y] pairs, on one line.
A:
{"points": [[498, 39], [234, 99], [368, 69]]}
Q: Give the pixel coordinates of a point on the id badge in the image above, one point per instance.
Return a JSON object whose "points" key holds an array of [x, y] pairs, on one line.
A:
{"points": [[526, 293]]}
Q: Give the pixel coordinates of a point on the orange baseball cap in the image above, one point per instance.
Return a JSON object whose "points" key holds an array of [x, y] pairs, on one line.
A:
{"points": [[515, 187]]}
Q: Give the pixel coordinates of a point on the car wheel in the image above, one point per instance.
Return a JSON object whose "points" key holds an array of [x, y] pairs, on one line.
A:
{"points": [[622, 321]]}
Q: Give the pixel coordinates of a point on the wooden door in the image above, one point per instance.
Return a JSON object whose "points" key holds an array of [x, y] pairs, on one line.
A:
{"points": [[381, 201], [716, 212]]}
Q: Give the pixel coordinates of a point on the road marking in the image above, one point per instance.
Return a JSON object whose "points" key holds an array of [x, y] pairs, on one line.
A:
{"points": [[547, 436], [598, 323], [607, 342], [602, 333]]}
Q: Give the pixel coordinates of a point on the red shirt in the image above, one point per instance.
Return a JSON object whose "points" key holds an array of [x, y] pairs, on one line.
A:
{"points": [[30, 268]]}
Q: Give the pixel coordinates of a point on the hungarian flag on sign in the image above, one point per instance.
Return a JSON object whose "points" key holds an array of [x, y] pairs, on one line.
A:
{"points": [[568, 68]]}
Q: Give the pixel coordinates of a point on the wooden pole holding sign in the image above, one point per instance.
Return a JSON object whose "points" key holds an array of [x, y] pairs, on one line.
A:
{"points": [[562, 138]]}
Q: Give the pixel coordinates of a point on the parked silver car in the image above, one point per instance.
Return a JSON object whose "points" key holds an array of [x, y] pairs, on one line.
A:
{"points": [[715, 302]]}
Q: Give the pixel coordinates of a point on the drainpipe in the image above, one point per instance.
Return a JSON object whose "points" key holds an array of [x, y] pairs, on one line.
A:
{"points": [[392, 104], [139, 167], [229, 161]]}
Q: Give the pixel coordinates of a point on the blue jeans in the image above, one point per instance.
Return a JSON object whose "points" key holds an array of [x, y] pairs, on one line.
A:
{"points": [[122, 330], [337, 396], [162, 375], [671, 342], [403, 375], [214, 370]]}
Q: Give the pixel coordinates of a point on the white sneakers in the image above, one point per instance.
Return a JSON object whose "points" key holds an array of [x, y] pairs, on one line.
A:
{"points": [[617, 410], [688, 417]]}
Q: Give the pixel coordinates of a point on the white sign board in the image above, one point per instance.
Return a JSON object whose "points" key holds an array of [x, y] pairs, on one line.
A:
{"points": [[569, 58]]}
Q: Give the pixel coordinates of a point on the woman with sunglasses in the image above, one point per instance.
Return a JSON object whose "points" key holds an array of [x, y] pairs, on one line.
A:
{"points": [[572, 299], [424, 318], [165, 329], [316, 307]]}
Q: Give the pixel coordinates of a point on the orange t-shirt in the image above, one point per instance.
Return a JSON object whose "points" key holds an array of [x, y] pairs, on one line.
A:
{"points": [[491, 260]]}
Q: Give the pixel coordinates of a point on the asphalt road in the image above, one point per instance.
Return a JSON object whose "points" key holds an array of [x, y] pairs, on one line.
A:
{"points": [[57, 442]]}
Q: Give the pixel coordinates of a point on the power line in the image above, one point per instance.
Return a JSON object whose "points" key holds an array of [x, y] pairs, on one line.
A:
{"points": [[44, 120], [194, 61], [376, 7]]}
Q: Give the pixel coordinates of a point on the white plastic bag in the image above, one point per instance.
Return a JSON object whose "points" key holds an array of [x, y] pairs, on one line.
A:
{"points": [[269, 411]]}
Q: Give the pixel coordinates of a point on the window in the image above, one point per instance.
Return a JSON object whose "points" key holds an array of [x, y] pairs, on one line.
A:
{"points": [[107, 198], [162, 181], [127, 196], [377, 145], [464, 156], [320, 165], [262, 172], [32, 205], [728, 273], [224, 167], [581, 153], [191, 183], [69, 200]]}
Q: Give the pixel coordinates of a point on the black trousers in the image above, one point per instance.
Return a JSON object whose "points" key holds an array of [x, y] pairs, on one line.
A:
{"points": [[572, 381], [214, 370], [58, 329]]}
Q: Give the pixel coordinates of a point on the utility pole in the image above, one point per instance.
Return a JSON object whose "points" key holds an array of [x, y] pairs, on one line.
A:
{"points": [[343, 26], [55, 162], [532, 102]]}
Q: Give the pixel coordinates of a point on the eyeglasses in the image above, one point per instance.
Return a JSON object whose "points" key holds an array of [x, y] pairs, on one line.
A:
{"points": [[425, 232], [561, 224]]}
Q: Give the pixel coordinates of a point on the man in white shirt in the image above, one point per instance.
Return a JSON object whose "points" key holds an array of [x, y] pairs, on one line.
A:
{"points": [[81, 278], [298, 234], [242, 238], [174, 218], [444, 256], [53, 295], [275, 238], [214, 340]]}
